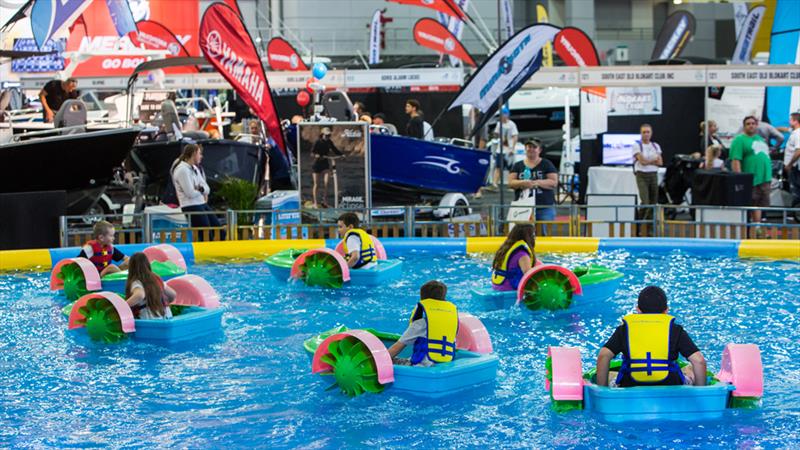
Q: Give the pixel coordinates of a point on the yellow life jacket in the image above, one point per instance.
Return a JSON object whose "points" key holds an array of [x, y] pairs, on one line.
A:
{"points": [[367, 252], [513, 275], [648, 346], [439, 345]]}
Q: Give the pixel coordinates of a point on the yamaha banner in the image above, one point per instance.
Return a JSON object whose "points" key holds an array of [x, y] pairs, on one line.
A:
{"points": [[375, 38], [152, 35], [507, 69], [674, 35], [448, 7], [431, 34], [547, 51], [576, 48], [744, 42], [227, 45], [48, 17], [282, 56]]}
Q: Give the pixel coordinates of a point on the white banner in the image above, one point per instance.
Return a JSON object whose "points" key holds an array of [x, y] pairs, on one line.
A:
{"points": [[739, 14], [375, 38], [745, 39], [508, 67], [456, 27], [634, 101], [594, 113], [508, 18]]}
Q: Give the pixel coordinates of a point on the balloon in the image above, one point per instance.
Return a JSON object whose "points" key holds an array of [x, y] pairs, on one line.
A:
{"points": [[303, 98], [319, 71]]}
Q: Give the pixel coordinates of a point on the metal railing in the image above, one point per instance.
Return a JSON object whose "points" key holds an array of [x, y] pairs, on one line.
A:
{"points": [[425, 221]]}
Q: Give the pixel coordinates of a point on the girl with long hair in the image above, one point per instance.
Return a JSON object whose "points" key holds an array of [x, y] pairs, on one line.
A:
{"points": [[145, 292], [514, 258], [192, 189]]}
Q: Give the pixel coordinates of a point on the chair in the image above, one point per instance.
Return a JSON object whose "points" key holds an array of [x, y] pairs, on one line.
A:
{"points": [[337, 104], [173, 126], [71, 114]]}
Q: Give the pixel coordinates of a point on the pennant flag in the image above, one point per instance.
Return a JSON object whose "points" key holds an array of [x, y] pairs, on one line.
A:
{"points": [[431, 34], [508, 17], [448, 7], [576, 48], [121, 16], [547, 51], [375, 38], [152, 35], [506, 69], [282, 56], [456, 27], [744, 43], [674, 35], [227, 45], [49, 17]]}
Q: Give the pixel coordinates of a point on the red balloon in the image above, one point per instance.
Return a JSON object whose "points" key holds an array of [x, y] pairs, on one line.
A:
{"points": [[303, 98]]}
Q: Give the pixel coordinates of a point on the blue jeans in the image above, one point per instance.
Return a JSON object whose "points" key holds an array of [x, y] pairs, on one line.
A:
{"points": [[547, 214], [202, 220]]}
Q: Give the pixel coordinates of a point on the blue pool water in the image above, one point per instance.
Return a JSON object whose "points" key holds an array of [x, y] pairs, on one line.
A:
{"points": [[252, 386]]}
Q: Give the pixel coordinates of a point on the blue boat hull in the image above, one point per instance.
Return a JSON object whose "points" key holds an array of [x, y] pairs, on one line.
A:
{"points": [[681, 403], [467, 371], [191, 325], [592, 293]]}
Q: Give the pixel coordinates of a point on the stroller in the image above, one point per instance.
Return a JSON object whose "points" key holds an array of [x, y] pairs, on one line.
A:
{"points": [[677, 182]]}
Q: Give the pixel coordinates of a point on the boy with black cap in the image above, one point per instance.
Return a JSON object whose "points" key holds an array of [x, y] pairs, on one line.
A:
{"points": [[650, 342]]}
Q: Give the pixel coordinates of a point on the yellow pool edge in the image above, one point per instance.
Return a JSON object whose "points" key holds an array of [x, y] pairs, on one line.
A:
{"points": [[241, 250], [36, 259], [773, 249], [543, 244]]}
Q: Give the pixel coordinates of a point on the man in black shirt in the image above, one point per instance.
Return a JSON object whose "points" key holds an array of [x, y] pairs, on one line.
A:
{"points": [[415, 127], [650, 343], [54, 94]]}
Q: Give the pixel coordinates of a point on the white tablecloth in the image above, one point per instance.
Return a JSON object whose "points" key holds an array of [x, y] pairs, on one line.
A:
{"points": [[616, 180]]}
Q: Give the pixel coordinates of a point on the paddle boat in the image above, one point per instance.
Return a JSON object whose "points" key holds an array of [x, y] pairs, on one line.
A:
{"points": [[549, 286], [359, 362], [107, 317], [77, 277], [327, 268], [738, 384]]}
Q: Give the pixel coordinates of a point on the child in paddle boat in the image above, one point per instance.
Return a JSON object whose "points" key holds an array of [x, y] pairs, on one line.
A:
{"points": [[359, 248], [101, 252], [650, 342], [514, 258], [145, 292], [432, 329]]}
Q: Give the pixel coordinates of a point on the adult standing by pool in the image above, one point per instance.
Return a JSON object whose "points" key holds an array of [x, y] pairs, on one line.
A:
{"points": [[647, 156], [191, 186], [750, 154], [54, 94], [535, 176]]}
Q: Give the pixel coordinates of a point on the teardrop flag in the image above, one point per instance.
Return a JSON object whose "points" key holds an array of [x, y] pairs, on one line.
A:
{"points": [[431, 34], [576, 48], [448, 7], [282, 56]]}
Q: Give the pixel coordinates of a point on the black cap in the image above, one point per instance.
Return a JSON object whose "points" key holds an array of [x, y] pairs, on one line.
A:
{"points": [[652, 300]]}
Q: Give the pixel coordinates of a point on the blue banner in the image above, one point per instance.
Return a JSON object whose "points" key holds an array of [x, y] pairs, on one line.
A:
{"points": [[122, 17], [784, 48], [49, 17]]}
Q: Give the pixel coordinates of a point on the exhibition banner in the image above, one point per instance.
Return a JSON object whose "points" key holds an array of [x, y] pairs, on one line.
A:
{"points": [[431, 34], [634, 101], [784, 49], [576, 48], [674, 35], [227, 45], [375, 38], [49, 17], [746, 38], [456, 27], [282, 56], [547, 51], [448, 7], [152, 35], [507, 15], [121, 16]]}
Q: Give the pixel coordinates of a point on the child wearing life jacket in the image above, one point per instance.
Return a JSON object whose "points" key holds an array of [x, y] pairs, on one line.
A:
{"points": [[145, 292], [432, 329], [514, 258], [101, 251], [358, 246], [650, 342]]}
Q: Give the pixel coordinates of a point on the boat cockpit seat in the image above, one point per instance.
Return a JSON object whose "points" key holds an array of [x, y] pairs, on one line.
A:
{"points": [[5, 100], [173, 126], [71, 114], [336, 104]]}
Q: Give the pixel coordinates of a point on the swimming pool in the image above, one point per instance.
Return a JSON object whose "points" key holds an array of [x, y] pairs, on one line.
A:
{"points": [[252, 385]]}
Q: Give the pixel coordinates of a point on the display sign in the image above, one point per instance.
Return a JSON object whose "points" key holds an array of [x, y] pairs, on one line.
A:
{"points": [[45, 63], [334, 165], [634, 101], [151, 105]]}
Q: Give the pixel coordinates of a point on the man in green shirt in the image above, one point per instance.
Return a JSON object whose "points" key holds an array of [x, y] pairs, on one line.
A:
{"points": [[750, 154]]}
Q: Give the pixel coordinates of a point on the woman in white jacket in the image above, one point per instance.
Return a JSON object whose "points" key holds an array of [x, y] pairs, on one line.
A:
{"points": [[191, 186]]}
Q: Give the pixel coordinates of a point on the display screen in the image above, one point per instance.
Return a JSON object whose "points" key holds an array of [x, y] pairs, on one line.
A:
{"points": [[618, 148], [46, 63]]}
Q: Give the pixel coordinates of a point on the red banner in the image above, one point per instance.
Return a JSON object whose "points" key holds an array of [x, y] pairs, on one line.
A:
{"points": [[576, 48], [448, 7], [154, 36], [226, 44], [100, 36], [433, 35], [234, 6], [282, 56]]}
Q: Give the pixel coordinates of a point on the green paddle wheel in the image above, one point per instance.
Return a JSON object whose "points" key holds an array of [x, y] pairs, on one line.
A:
{"points": [[101, 321], [559, 406], [74, 281], [323, 270], [352, 367], [547, 289]]}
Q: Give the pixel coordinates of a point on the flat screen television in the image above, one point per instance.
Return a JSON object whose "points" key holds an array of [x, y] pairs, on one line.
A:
{"points": [[618, 148]]}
